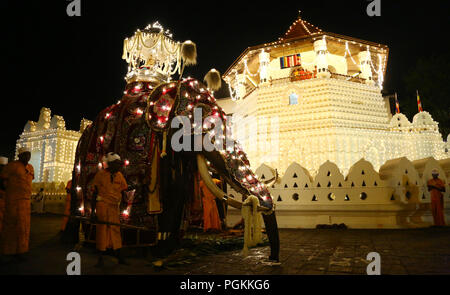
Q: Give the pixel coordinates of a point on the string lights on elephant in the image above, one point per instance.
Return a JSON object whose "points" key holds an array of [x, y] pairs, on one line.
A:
{"points": [[138, 128]]}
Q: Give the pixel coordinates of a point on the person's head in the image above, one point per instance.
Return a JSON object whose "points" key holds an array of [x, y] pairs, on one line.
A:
{"points": [[42, 189], [115, 165], [24, 155], [3, 161], [435, 173], [114, 162]]}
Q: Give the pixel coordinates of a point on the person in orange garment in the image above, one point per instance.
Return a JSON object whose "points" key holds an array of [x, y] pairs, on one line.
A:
{"points": [[211, 220], [17, 177], [67, 206], [109, 184], [3, 163], [436, 187]]}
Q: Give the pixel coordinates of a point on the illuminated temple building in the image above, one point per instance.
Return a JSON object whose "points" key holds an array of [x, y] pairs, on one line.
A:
{"points": [[52, 146], [315, 96]]}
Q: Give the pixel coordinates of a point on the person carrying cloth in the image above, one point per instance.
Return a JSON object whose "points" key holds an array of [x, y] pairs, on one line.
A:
{"points": [[17, 177], [108, 186], [436, 187], [39, 201]]}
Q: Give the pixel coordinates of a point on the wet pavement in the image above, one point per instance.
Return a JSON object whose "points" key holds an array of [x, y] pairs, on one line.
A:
{"points": [[303, 251]]}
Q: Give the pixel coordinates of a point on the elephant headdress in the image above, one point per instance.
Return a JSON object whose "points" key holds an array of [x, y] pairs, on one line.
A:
{"points": [[163, 163]]}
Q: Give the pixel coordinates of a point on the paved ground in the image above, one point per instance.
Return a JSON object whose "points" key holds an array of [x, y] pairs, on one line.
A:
{"points": [[309, 251]]}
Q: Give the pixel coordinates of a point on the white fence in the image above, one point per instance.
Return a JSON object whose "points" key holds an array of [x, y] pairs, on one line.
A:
{"points": [[394, 197]]}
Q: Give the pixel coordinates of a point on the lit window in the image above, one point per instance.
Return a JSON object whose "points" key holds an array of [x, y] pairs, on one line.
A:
{"points": [[293, 98]]}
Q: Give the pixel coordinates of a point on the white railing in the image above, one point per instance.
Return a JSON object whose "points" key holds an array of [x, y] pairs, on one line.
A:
{"points": [[395, 197]]}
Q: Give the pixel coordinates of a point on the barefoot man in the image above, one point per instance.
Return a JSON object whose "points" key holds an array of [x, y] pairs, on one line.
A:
{"points": [[109, 184]]}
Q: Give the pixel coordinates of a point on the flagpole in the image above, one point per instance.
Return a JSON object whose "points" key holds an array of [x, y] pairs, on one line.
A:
{"points": [[397, 105], [419, 103]]}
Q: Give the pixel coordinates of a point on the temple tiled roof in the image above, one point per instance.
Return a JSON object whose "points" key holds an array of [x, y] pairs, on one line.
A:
{"points": [[299, 29]]}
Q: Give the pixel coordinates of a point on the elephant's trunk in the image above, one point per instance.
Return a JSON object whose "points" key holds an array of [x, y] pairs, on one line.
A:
{"points": [[270, 220], [204, 173]]}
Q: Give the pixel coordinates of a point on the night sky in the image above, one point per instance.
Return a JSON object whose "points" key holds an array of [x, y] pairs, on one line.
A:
{"points": [[74, 66]]}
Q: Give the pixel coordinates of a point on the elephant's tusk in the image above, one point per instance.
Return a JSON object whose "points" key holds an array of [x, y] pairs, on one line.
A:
{"points": [[270, 181], [204, 174], [273, 179]]}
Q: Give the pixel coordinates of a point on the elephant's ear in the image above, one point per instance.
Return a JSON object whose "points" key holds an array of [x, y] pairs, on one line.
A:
{"points": [[189, 53], [213, 80]]}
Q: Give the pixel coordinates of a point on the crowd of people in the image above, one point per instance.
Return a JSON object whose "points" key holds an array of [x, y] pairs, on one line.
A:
{"points": [[16, 199], [16, 192]]}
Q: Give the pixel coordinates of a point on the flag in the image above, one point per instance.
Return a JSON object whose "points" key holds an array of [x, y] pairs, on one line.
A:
{"points": [[290, 61], [419, 103], [397, 105]]}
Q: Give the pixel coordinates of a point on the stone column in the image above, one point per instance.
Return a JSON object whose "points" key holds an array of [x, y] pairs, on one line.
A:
{"points": [[241, 91], [264, 59]]}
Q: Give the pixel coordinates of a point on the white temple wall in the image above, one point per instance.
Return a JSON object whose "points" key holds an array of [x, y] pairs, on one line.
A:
{"points": [[339, 63], [308, 58], [445, 164], [396, 197], [334, 120], [424, 168], [275, 72], [52, 147], [55, 196]]}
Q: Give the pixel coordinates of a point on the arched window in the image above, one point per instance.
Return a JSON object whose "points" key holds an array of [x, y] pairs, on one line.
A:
{"points": [[293, 98]]}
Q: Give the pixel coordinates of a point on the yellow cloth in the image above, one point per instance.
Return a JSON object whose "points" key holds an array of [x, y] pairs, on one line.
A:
{"points": [[211, 218], [107, 209], [196, 210], [16, 224], [437, 201], [17, 179], [67, 206]]}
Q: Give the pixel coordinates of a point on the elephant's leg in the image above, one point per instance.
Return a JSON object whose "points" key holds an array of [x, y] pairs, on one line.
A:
{"points": [[270, 221], [176, 188]]}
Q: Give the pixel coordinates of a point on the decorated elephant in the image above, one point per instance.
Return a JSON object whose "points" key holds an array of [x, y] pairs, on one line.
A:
{"points": [[159, 129]]}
